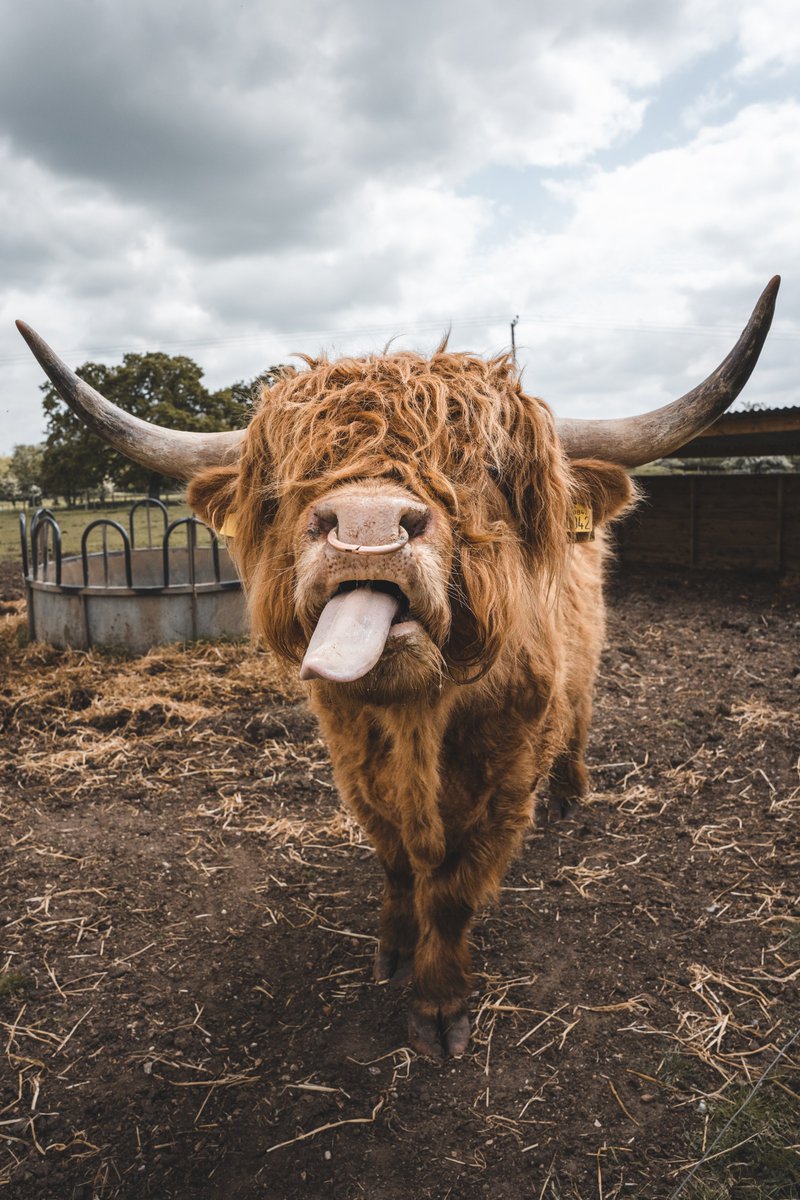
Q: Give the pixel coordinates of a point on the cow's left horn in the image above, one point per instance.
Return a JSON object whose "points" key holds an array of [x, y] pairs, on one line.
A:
{"points": [[632, 441], [171, 452]]}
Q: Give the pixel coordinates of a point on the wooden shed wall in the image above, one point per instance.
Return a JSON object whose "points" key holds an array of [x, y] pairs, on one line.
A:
{"points": [[744, 522]]}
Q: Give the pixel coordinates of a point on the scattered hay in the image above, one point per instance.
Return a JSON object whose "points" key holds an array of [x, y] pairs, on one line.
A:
{"points": [[757, 716], [643, 963]]}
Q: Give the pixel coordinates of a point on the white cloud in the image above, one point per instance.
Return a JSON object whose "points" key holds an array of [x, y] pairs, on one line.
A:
{"points": [[769, 34], [237, 182], [684, 238]]}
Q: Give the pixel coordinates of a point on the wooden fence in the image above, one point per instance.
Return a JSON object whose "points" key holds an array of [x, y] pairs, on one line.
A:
{"points": [[728, 522]]}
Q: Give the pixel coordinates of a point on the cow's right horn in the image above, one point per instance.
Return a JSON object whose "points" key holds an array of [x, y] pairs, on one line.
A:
{"points": [[170, 452], [633, 441]]}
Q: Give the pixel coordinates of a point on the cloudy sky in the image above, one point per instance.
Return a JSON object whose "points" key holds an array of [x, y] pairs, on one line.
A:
{"points": [[237, 180]]}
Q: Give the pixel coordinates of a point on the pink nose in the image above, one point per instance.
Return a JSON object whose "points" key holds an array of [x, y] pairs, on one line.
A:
{"points": [[371, 524]]}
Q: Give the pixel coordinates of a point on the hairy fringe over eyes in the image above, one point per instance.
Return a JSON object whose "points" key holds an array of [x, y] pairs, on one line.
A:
{"points": [[455, 429]]}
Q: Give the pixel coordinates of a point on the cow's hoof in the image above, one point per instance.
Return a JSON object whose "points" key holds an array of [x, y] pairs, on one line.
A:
{"points": [[455, 1034], [393, 967], [424, 1035], [557, 808], [435, 1036]]}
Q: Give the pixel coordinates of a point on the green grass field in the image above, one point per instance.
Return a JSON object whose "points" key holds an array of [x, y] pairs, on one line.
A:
{"points": [[72, 523]]}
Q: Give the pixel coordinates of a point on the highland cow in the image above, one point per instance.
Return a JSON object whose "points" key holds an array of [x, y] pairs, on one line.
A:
{"points": [[427, 542]]}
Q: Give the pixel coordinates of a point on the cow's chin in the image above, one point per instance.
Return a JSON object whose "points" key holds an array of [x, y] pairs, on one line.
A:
{"points": [[409, 669]]}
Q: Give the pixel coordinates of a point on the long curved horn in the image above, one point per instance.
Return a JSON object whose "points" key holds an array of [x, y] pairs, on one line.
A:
{"points": [[171, 452], [632, 441]]}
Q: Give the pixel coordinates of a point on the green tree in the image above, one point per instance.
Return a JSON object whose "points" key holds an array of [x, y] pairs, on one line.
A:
{"points": [[26, 467], [164, 389], [240, 399], [74, 460], [21, 474], [8, 483]]}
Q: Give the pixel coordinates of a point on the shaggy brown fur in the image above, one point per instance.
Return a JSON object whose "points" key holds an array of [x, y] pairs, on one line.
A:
{"points": [[437, 749]]}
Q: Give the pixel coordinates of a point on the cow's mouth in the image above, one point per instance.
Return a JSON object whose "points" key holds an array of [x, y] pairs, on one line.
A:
{"points": [[353, 629], [401, 616]]}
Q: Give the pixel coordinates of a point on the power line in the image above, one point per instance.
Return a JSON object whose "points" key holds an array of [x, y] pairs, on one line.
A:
{"points": [[435, 326]]}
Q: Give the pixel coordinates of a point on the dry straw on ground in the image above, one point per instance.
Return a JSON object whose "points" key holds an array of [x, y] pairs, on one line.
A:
{"points": [[189, 918]]}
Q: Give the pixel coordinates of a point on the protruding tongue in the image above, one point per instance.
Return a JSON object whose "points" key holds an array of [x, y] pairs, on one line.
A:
{"points": [[350, 635]]}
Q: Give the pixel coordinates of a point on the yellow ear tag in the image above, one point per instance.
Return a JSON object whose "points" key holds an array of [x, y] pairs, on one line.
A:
{"points": [[581, 528], [228, 527]]}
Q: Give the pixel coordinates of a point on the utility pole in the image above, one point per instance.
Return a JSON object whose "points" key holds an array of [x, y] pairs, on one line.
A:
{"points": [[513, 339]]}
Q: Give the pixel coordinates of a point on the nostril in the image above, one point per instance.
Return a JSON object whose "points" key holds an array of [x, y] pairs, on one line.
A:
{"points": [[415, 521], [322, 521]]}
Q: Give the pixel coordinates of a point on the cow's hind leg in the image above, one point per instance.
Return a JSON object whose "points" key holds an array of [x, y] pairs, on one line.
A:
{"points": [[566, 788], [394, 961], [446, 900], [568, 783]]}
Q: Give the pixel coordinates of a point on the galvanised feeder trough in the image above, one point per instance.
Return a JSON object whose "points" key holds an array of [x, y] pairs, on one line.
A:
{"points": [[131, 597]]}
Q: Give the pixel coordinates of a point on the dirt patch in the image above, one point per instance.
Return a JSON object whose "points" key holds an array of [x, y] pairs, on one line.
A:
{"points": [[188, 923]]}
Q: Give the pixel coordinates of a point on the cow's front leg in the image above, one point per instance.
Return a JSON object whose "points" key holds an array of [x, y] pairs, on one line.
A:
{"points": [[394, 960], [410, 849], [438, 1020], [446, 900]]}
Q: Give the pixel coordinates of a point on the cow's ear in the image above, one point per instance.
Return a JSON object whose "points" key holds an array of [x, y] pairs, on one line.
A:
{"points": [[603, 487], [211, 496]]}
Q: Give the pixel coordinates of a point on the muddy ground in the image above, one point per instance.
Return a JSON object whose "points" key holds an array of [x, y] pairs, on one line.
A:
{"points": [[187, 924]]}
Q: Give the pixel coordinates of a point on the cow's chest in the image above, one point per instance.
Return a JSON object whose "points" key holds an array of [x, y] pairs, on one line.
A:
{"points": [[452, 767]]}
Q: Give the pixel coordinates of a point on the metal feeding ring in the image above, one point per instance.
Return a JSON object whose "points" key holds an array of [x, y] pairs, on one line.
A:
{"points": [[386, 548]]}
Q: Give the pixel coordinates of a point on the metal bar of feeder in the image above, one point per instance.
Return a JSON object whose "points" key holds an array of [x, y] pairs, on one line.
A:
{"points": [[137, 598]]}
